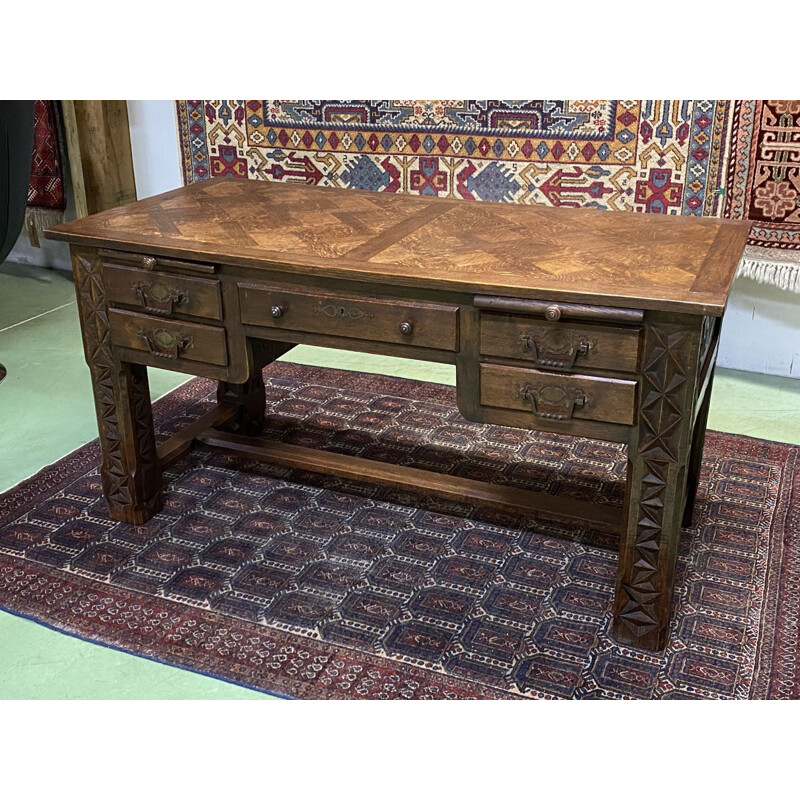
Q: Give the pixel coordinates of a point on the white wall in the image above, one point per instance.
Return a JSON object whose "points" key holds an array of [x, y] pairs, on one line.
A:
{"points": [[154, 142], [761, 330]]}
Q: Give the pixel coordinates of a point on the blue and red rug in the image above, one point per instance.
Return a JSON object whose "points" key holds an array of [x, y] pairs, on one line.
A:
{"points": [[307, 586]]}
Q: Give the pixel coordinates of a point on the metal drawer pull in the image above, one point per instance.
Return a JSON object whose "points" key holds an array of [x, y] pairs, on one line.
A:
{"points": [[547, 354], [158, 298], [406, 328], [552, 402], [277, 311], [165, 344]]}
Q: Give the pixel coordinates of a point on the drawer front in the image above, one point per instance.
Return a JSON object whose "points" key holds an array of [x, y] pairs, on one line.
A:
{"points": [[162, 293], [428, 325], [560, 345], [166, 339], [554, 396]]}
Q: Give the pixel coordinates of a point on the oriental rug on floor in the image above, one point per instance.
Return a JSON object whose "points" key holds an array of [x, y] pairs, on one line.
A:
{"points": [[309, 586]]}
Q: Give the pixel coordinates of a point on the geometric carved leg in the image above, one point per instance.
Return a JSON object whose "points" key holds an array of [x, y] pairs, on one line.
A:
{"points": [[696, 456], [249, 397], [131, 471], [658, 460]]}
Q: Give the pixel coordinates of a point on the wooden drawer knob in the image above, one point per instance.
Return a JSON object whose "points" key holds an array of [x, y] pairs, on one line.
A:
{"points": [[553, 313]]}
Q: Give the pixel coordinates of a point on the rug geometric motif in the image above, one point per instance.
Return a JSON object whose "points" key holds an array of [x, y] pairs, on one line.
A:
{"points": [[312, 586]]}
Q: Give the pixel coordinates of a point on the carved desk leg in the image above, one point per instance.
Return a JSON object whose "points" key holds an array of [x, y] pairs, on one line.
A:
{"points": [[658, 460], [696, 457], [249, 396], [131, 472]]}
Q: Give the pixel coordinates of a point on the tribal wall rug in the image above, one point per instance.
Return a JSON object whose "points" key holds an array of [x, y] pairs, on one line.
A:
{"points": [[314, 587], [700, 157]]}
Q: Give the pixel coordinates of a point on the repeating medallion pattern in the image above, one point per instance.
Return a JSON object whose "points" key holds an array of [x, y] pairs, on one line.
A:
{"points": [[318, 587]]}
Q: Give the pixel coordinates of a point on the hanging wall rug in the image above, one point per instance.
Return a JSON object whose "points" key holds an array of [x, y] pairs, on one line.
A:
{"points": [[739, 160]]}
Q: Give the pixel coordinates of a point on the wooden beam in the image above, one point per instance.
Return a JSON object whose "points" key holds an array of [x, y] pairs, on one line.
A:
{"points": [[181, 442], [449, 487], [99, 151]]}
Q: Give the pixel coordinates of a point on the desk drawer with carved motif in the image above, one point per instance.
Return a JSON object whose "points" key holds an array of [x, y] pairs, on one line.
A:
{"points": [[162, 293], [563, 346], [556, 396], [405, 322], [167, 342]]}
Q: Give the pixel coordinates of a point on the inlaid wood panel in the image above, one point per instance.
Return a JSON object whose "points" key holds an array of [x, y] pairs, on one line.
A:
{"points": [[636, 260]]}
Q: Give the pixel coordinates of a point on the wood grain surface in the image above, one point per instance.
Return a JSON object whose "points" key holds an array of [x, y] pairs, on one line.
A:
{"points": [[639, 260]]}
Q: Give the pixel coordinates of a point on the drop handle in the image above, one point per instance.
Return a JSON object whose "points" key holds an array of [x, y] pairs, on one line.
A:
{"points": [[277, 311], [164, 343], [552, 402], [406, 328]]}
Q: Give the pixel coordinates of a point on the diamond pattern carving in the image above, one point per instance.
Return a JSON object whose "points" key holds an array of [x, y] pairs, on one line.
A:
{"points": [[667, 387]]}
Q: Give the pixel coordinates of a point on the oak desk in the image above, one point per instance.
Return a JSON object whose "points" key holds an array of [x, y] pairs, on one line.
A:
{"points": [[584, 322]]}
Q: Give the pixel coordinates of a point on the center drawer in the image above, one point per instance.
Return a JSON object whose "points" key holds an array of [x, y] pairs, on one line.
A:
{"points": [[429, 325], [560, 345]]}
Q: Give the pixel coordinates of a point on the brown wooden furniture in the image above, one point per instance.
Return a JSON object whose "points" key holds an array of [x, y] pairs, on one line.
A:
{"points": [[578, 321]]}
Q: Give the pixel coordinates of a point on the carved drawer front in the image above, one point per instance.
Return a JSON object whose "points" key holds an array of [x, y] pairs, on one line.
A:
{"points": [[560, 345], [162, 293], [553, 396], [168, 340], [427, 325]]}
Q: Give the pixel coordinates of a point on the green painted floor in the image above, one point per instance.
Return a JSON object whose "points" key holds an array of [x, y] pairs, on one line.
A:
{"points": [[46, 411]]}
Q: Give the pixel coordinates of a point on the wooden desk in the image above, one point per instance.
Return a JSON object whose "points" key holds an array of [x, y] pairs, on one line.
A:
{"points": [[584, 322]]}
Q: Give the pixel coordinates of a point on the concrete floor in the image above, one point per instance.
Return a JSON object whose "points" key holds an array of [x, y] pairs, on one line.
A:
{"points": [[46, 411]]}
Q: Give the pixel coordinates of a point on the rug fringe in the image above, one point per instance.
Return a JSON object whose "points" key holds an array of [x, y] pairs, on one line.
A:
{"points": [[39, 219], [784, 275]]}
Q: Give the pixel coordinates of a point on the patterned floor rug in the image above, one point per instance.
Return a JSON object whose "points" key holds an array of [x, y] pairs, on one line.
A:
{"points": [[307, 586]]}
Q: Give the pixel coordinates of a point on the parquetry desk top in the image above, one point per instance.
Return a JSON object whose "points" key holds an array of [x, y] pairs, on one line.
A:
{"points": [[638, 260]]}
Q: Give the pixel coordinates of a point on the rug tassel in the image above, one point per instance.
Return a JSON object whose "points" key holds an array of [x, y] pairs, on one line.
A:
{"points": [[784, 275], [39, 219]]}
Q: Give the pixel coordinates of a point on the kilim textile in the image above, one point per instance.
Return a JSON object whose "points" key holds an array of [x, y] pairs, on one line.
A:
{"points": [[702, 157], [46, 198], [310, 586]]}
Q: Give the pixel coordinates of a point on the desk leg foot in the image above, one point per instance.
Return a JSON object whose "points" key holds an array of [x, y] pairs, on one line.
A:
{"points": [[658, 459], [131, 472]]}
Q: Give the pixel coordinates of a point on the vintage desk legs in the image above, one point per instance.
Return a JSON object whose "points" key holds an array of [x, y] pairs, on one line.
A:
{"points": [[249, 397], [131, 470], [658, 467], [696, 458]]}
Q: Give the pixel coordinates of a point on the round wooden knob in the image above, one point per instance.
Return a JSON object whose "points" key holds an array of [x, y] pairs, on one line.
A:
{"points": [[553, 313], [406, 328], [148, 262], [277, 311]]}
